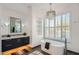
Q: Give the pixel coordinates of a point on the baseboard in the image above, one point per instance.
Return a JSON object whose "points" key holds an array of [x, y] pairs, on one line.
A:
{"points": [[36, 46], [73, 52]]}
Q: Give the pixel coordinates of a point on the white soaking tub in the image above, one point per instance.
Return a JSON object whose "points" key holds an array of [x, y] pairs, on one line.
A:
{"points": [[55, 47]]}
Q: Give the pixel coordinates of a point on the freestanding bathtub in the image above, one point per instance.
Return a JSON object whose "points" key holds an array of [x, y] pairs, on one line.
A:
{"points": [[55, 47]]}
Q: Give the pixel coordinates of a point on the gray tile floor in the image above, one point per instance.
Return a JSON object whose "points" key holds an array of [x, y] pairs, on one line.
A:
{"points": [[38, 48]]}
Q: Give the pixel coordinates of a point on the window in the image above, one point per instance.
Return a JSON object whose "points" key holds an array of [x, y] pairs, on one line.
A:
{"points": [[58, 29]]}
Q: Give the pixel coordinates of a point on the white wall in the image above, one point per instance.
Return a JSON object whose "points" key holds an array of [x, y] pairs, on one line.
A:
{"points": [[5, 18], [74, 9], [6, 13], [36, 38]]}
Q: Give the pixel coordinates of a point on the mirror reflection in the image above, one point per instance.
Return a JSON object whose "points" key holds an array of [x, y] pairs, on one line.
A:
{"points": [[15, 25]]}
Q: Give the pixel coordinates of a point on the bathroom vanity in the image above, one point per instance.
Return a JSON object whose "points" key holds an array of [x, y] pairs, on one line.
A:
{"points": [[15, 45]]}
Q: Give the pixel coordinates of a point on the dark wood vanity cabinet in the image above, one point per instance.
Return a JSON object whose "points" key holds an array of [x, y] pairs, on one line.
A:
{"points": [[8, 44]]}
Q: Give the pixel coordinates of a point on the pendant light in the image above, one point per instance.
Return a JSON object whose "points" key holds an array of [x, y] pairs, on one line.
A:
{"points": [[51, 13]]}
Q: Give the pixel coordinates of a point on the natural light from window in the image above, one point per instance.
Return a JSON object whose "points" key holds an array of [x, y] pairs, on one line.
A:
{"points": [[58, 29]]}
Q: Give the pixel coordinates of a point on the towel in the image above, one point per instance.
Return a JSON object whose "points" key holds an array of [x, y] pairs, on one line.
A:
{"points": [[47, 44]]}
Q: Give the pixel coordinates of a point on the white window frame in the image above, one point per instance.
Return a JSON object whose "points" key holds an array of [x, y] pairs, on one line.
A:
{"points": [[55, 28]]}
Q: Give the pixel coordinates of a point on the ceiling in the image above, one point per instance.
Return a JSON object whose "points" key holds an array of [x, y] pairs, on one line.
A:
{"points": [[23, 7], [20, 7]]}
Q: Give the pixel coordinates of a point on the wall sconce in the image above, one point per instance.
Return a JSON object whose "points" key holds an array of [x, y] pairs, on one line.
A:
{"points": [[22, 25], [6, 24]]}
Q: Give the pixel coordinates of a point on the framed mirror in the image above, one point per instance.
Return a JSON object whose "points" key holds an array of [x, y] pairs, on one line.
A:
{"points": [[15, 25]]}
